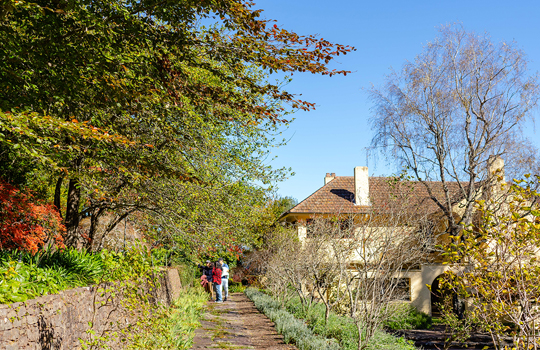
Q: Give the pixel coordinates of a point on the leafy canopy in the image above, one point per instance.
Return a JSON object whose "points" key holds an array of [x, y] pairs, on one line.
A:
{"points": [[146, 110]]}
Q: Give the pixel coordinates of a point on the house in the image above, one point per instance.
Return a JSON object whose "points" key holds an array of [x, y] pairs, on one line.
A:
{"points": [[346, 196]]}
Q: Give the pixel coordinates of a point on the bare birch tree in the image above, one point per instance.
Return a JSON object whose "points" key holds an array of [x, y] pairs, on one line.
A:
{"points": [[445, 116]]}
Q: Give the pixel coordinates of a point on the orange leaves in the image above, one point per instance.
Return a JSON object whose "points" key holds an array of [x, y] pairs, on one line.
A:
{"points": [[25, 224], [262, 43]]}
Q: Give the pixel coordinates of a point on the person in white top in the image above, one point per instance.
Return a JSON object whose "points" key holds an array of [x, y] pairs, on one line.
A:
{"points": [[224, 279]]}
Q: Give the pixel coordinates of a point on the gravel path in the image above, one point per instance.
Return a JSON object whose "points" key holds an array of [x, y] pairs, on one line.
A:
{"points": [[237, 324]]}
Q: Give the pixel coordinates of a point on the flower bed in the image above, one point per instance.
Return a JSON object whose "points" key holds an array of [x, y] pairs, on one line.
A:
{"points": [[293, 330], [340, 329]]}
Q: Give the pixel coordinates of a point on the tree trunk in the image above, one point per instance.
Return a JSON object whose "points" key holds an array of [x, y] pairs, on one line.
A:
{"points": [[72, 213], [57, 193], [361, 343], [326, 313], [94, 223]]}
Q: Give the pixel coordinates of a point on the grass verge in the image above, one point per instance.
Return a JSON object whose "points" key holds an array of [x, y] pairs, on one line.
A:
{"points": [[176, 328]]}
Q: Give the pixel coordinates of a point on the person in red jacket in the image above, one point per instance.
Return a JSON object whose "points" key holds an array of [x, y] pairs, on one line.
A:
{"points": [[216, 278]]}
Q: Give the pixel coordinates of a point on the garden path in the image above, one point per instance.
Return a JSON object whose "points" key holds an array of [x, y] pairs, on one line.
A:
{"points": [[237, 324]]}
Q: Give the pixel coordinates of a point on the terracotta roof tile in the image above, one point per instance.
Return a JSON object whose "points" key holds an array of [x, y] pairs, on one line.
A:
{"points": [[337, 196]]}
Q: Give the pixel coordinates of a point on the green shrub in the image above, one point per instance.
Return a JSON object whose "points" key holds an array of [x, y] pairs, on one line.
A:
{"points": [[188, 273], [236, 287], [383, 340], [342, 328], [407, 316], [19, 282]]}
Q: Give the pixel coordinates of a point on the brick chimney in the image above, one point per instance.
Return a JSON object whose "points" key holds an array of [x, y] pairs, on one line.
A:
{"points": [[329, 177], [361, 185]]}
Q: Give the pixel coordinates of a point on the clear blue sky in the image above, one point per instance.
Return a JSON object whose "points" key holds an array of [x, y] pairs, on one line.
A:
{"points": [[386, 34]]}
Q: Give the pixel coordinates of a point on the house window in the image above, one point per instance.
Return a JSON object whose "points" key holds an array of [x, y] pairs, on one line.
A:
{"points": [[399, 287], [403, 289], [340, 228]]}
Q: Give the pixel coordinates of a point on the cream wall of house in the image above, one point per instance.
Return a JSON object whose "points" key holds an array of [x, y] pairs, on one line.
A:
{"points": [[427, 273], [420, 295], [302, 233]]}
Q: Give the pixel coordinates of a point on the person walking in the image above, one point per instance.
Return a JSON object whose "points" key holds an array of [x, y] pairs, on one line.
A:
{"points": [[216, 275], [206, 278], [224, 279]]}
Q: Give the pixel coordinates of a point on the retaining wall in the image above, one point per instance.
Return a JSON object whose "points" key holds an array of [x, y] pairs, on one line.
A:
{"points": [[58, 321]]}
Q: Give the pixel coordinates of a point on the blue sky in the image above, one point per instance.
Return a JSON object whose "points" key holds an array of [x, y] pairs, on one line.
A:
{"points": [[334, 137]]}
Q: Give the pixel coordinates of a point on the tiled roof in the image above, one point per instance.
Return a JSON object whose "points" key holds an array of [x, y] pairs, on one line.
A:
{"points": [[337, 196]]}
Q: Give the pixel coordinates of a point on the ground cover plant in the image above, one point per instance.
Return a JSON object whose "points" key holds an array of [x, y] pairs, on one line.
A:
{"points": [[407, 316], [339, 328]]}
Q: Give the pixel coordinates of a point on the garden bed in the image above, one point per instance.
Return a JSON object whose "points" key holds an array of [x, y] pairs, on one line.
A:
{"points": [[298, 326]]}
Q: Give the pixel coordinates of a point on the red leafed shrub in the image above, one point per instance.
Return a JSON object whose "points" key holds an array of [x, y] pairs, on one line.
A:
{"points": [[26, 224]]}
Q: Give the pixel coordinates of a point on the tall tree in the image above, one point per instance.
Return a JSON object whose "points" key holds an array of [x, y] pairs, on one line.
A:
{"points": [[450, 113], [118, 97]]}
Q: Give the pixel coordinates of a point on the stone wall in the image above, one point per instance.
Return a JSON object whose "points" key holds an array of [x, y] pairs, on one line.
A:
{"points": [[58, 321]]}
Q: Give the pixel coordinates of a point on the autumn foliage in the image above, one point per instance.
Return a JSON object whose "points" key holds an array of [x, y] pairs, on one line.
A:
{"points": [[160, 108], [26, 224]]}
